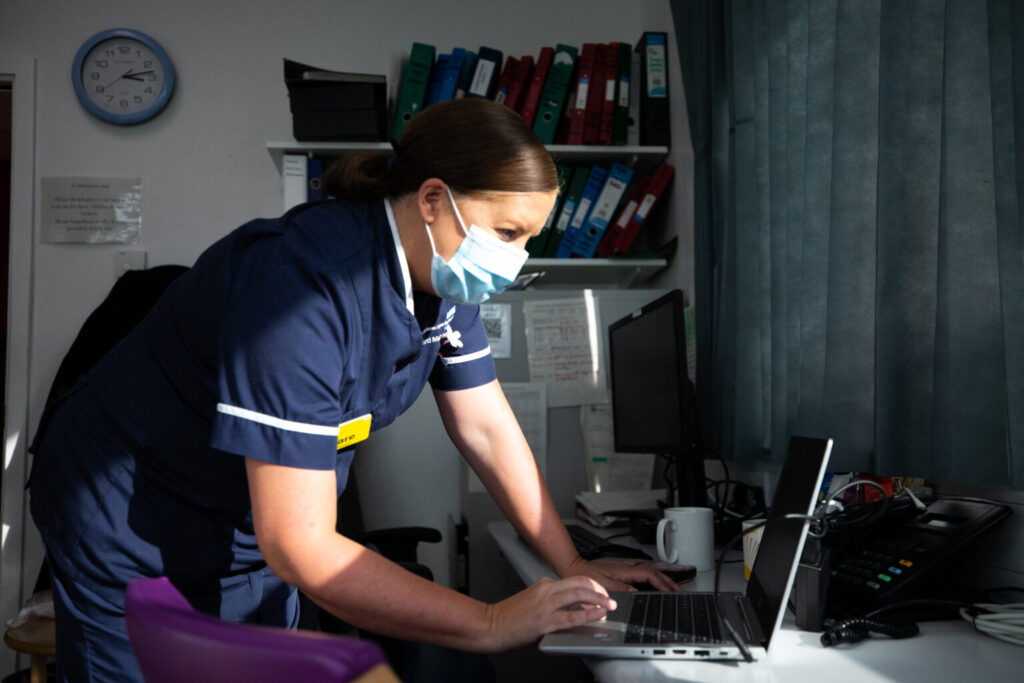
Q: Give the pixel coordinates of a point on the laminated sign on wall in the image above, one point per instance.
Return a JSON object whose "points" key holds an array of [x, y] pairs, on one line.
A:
{"points": [[88, 210]]}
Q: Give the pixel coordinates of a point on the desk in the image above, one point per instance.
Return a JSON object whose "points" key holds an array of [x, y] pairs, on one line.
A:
{"points": [[943, 651]]}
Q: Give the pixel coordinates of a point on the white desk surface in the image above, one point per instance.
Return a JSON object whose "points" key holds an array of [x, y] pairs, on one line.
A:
{"points": [[943, 651]]}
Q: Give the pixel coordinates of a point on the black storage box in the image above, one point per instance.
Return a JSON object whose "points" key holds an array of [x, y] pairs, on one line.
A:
{"points": [[335, 105]]}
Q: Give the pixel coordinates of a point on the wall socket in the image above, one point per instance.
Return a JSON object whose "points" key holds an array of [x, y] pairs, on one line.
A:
{"points": [[128, 260]]}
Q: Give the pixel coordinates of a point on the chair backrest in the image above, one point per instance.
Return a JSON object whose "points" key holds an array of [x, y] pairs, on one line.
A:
{"points": [[173, 643], [126, 304]]}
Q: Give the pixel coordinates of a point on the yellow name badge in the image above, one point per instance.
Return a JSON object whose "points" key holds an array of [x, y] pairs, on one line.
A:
{"points": [[354, 431]]}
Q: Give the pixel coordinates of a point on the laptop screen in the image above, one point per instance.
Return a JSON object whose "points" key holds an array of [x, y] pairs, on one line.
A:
{"points": [[777, 556]]}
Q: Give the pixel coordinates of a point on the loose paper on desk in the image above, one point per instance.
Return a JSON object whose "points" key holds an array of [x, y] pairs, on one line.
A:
{"points": [[88, 210], [563, 345], [606, 469], [530, 406], [594, 508], [497, 319]]}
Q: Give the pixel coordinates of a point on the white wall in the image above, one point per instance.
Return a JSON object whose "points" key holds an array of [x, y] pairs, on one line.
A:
{"points": [[203, 160]]}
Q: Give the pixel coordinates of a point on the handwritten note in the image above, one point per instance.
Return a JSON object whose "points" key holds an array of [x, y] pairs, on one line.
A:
{"points": [[563, 340], [89, 210]]}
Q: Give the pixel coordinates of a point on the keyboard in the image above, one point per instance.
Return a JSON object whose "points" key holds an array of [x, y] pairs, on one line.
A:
{"points": [[673, 617], [590, 546]]}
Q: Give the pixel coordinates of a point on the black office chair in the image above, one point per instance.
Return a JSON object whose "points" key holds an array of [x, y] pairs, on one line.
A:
{"points": [[398, 544]]}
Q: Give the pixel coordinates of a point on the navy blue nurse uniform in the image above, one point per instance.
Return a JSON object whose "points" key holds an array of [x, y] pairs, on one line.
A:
{"points": [[281, 334]]}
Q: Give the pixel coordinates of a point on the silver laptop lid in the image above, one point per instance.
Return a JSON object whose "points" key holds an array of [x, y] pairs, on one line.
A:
{"points": [[778, 556]]}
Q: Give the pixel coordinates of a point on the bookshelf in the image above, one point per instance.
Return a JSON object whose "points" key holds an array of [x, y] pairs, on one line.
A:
{"points": [[619, 273]]}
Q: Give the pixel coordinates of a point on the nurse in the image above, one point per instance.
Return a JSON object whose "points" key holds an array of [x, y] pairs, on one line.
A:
{"points": [[211, 444]]}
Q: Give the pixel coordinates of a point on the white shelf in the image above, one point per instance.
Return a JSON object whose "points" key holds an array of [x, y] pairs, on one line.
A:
{"points": [[294, 147], [617, 273], [631, 155]]}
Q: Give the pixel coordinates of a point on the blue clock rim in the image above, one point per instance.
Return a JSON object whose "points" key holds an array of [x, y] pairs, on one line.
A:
{"points": [[123, 119]]}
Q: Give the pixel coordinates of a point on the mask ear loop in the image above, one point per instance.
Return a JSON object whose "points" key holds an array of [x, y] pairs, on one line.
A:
{"points": [[430, 237], [458, 215]]}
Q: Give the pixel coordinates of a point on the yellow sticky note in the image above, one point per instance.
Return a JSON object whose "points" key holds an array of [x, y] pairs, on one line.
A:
{"points": [[354, 431]]}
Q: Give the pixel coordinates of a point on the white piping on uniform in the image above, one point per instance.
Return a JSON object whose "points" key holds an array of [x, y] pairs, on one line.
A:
{"points": [[277, 422], [468, 357]]}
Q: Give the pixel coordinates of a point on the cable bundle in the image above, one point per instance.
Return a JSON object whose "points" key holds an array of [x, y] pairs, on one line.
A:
{"points": [[1002, 621]]}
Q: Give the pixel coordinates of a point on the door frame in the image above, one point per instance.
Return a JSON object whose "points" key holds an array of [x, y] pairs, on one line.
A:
{"points": [[15, 581]]}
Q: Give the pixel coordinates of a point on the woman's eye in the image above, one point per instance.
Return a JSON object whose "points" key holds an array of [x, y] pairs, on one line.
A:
{"points": [[507, 235]]}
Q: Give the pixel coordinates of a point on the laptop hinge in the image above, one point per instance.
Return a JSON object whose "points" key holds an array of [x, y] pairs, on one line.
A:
{"points": [[751, 626]]}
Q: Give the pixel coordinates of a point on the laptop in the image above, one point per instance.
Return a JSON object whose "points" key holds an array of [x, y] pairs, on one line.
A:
{"points": [[688, 625]]}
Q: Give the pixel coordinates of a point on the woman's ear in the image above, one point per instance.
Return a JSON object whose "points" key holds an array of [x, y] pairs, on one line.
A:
{"points": [[429, 199]]}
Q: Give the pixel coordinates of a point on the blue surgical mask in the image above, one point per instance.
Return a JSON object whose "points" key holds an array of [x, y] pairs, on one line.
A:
{"points": [[482, 265]]}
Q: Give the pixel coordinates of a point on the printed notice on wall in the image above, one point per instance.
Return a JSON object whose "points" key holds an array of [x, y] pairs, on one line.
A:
{"points": [[88, 210], [608, 470], [564, 351], [497, 319]]}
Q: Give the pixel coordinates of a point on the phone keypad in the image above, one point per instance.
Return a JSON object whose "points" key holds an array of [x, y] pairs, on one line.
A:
{"points": [[883, 566]]}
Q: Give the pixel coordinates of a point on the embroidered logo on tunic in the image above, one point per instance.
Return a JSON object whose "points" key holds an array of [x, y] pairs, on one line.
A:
{"points": [[443, 331], [453, 337]]}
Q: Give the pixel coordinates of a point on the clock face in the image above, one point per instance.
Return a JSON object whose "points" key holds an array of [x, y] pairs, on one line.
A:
{"points": [[122, 76]]}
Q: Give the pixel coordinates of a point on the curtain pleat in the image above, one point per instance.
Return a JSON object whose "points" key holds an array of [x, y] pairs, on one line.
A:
{"points": [[1006, 59], [910, 143], [817, 195], [969, 270], [850, 350]]}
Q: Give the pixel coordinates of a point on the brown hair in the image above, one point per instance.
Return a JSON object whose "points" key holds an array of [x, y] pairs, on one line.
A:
{"points": [[473, 144]]}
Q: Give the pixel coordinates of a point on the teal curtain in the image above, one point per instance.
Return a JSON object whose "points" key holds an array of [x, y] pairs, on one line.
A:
{"points": [[860, 247]]}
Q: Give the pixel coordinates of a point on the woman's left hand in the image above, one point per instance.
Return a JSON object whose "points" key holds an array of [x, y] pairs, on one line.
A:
{"points": [[620, 575]]}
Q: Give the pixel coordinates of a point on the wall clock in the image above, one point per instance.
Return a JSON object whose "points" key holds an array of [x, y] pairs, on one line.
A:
{"points": [[122, 76]]}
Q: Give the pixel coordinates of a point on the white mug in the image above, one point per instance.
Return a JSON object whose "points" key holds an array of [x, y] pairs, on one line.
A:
{"points": [[690, 537]]}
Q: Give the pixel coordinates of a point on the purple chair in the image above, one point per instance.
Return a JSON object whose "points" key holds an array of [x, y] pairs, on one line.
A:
{"points": [[174, 643]]}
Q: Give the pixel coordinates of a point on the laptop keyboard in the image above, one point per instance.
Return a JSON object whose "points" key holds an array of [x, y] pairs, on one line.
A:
{"points": [[673, 617]]}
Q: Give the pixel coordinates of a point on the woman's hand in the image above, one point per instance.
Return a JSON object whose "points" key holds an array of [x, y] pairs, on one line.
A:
{"points": [[546, 606], [620, 575]]}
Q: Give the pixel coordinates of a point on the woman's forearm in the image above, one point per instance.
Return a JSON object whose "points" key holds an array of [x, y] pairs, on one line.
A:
{"points": [[373, 593]]}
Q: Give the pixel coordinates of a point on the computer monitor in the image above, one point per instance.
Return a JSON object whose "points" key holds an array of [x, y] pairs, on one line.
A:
{"points": [[653, 401]]}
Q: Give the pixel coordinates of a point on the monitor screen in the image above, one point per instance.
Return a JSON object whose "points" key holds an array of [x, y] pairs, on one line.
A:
{"points": [[653, 403], [647, 353]]}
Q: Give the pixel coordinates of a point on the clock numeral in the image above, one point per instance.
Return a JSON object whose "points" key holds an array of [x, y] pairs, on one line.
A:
{"points": [[100, 90], [101, 63], [137, 99], [148, 91], [94, 75], [123, 49], [147, 64], [124, 104]]}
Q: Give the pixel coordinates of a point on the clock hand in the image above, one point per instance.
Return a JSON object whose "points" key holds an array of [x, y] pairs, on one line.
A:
{"points": [[126, 74], [135, 76]]}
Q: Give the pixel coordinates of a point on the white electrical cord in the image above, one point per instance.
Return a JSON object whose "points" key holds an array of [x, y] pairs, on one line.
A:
{"points": [[1003, 621]]}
